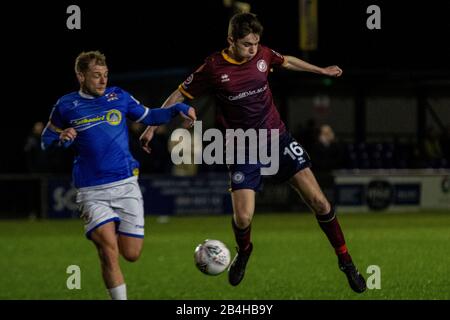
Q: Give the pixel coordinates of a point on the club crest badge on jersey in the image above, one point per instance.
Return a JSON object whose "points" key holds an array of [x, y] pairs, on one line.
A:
{"points": [[114, 117], [238, 177], [261, 65]]}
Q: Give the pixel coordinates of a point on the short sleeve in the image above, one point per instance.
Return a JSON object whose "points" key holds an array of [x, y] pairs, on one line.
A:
{"points": [[276, 59], [198, 82]]}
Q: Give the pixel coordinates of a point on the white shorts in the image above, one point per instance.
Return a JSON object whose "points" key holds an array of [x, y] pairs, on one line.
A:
{"points": [[120, 201]]}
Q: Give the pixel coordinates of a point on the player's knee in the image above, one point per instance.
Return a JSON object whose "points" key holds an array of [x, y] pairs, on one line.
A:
{"points": [[243, 223], [243, 219], [320, 205], [131, 255]]}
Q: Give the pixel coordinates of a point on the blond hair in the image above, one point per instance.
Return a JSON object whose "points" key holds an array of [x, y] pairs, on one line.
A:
{"points": [[84, 59]]}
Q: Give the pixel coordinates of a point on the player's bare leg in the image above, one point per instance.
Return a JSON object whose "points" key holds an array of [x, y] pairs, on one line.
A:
{"points": [[243, 207], [307, 187], [105, 239], [130, 247], [243, 210]]}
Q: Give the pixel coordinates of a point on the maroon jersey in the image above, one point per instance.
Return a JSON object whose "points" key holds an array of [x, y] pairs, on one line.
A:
{"points": [[242, 91]]}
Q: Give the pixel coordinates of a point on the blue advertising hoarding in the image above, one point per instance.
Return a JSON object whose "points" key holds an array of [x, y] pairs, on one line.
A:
{"points": [[162, 194]]}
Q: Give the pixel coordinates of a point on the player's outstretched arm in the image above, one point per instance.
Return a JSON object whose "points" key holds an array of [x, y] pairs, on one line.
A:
{"points": [[296, 64], [147, 135], [160, 116]]}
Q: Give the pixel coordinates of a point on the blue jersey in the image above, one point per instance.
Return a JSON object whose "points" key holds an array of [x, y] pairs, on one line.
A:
{"points": [[101, 145]]}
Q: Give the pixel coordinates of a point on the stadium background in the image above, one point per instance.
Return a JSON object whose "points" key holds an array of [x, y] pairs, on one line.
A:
{"points": [[394, 89]]}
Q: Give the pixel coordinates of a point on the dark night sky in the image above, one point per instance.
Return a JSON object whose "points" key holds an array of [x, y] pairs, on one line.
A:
{"points": [[149, 35], [142, 35], [137, 35]]}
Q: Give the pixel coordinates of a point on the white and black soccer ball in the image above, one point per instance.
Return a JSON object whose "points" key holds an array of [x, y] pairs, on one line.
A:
{"points": [[212, 257]]}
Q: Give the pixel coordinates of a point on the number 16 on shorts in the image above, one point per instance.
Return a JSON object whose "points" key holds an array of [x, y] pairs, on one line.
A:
{"points": [[295, 151]]}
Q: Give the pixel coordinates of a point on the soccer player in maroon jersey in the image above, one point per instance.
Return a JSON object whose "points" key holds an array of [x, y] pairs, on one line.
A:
{"points": [[237, 77]]}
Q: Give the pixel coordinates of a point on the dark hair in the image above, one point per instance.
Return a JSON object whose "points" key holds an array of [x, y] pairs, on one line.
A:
{"points": [[84, 58], [242, 24]]}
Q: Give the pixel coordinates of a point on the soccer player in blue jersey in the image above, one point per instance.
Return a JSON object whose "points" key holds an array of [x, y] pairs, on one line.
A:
{"points": [[93, 122], [238, 78]]}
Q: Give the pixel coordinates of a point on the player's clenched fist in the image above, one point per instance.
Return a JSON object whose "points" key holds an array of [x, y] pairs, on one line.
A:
{"points": [[68, 134], [332, 71]]}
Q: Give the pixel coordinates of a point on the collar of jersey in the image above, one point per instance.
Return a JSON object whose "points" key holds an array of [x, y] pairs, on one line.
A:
{"points": [[230, 59], [85, 95]]}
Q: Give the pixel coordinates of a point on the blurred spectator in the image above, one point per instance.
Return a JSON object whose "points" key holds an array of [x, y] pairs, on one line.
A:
{"points": [[326, 151], [432, 150], [36, 158], [326, 156], [36, 162], [49, 161], [445, 143]]}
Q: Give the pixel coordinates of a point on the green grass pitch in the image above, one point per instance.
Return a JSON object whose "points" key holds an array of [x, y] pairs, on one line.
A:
{"points": [[292, 258]]}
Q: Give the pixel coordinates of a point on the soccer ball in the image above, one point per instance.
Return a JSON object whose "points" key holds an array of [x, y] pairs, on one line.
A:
{"points": [[212, 257]]}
